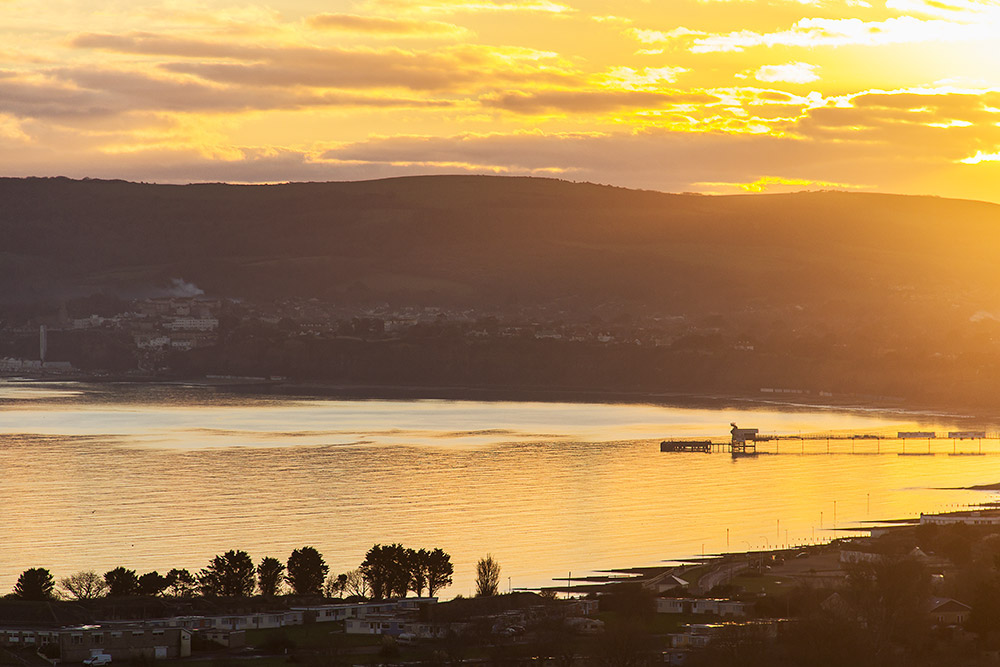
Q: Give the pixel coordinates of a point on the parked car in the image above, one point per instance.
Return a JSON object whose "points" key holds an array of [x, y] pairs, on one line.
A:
{"points": [[98, 660]]}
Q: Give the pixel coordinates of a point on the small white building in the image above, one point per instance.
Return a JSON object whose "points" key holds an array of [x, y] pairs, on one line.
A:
{"points": [[716, 606], [325, 613], [192, 324], [971, 517], [395, 625]]}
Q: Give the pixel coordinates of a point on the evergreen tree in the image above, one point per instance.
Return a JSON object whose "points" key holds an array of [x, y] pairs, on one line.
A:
{"points": [[386, 568], [35, 584], [306, 571], [121, 582], [438, 570], [152, 584], [230, 575], [269, 573]]}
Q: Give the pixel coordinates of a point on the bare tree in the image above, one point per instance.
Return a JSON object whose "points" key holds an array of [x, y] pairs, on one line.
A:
{"points": [[487, 576], [356, 585], [334, 586], [83, 586]]}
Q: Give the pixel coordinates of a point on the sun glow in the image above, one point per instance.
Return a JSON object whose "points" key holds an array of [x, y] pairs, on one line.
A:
{"points": [[886, 96]]}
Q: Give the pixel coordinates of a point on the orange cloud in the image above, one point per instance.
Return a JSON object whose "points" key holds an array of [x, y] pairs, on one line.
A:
{"points": [[375, 25], [456, 6], [93, 92], [286, 66], [590, 101]]}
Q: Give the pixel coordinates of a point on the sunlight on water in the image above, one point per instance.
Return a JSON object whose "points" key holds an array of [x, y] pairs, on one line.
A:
{"points": [[160, 477]]}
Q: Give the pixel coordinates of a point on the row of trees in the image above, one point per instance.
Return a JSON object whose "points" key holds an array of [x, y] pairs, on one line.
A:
{"points": [[387, 571], [392, 570]]}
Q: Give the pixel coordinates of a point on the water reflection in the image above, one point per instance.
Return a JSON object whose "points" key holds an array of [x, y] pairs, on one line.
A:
{"points": [[161, 477]]}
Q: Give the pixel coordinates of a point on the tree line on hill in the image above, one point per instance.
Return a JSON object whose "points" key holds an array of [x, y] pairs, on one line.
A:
{"points": [[387, 571]]}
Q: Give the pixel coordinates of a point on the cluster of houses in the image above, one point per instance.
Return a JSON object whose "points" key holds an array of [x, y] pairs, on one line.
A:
{"points": [[407, 619], [15, 365], [175, 323], [171, 637], [981, 517]]}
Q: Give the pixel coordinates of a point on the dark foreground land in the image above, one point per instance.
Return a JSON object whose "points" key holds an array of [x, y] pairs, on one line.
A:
{"points": [[915, 595]]}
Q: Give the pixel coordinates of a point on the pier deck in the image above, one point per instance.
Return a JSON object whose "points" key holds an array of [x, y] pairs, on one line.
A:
{"points": [[747, 442]]}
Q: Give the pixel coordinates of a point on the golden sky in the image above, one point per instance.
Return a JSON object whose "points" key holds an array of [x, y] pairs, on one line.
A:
{"points": [[715, 96]]}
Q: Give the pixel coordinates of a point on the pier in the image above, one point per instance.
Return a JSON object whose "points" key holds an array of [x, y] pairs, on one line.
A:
{"points": [[747, 442], [686, 446]]}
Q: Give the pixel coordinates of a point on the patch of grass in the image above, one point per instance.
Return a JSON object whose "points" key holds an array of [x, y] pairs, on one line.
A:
{"points": [[767, 584], [272, 661], [310, 636], [693, 575], [659, 624]]}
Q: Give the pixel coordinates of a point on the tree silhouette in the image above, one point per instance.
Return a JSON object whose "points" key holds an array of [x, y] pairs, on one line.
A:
{"points": [[416, 561], [438, 571], [889, 595], [306, 571], [230, 575], [335, 586], [84, 585], [487, 576], [387, 571], [429, 569], [269, 573], [121, 582], [34, 584], [356, 585], [181, 583], [152, 583]]}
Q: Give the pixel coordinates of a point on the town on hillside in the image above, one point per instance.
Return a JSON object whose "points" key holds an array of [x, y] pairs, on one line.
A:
{"points": [[605, 351]]}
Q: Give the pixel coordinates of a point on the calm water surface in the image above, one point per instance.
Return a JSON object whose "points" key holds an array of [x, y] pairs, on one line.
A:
{"points": [[155, 477]]}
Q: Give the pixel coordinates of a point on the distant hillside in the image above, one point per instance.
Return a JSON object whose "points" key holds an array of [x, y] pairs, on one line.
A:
{"points": [[491, 240]]}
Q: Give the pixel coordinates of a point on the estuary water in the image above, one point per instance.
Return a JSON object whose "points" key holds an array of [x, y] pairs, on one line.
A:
{"points": [[154, 477]]}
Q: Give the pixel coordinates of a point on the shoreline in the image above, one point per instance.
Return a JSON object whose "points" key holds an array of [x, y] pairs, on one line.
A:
{"points": [[529, 394]]}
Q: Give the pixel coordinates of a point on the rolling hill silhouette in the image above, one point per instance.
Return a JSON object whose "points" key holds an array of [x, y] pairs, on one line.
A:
{"points": [[480, 240]]}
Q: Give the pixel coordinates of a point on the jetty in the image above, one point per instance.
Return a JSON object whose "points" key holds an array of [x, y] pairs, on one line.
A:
{"points": [[686, 446], [746, 442]]}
